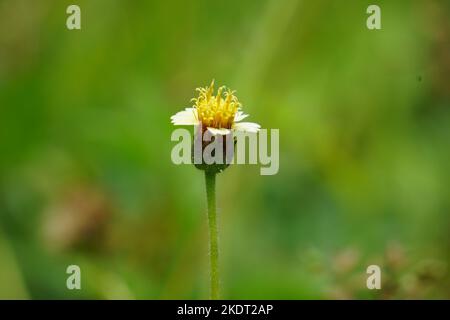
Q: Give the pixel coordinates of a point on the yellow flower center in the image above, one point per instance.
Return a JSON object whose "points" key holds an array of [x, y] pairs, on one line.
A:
{"points": [[216, 111]]}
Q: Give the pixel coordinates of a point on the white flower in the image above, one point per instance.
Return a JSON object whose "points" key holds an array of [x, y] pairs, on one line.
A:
{"points": [[220, 114]]}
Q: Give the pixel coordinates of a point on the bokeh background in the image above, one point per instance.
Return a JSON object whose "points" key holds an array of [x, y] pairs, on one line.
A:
{"points": [[85, 170]]}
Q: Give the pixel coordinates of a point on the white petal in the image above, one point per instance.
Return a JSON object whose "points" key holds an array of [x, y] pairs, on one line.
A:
{"points": [[247, 126], [221, 131], [185, 117], [240, 116]]}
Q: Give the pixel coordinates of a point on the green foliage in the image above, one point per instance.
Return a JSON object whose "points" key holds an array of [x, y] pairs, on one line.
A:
{"points": [[85, 170]]}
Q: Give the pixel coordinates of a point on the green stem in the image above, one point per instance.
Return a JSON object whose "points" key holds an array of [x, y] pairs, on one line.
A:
{"points": [[210, 179]]}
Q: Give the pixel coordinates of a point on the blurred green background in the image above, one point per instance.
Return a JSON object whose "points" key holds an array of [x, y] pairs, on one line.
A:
{"points": [[85, 170]]}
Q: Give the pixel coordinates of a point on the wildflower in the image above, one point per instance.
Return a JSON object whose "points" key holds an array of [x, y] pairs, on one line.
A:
{"points": [[220, 114]]}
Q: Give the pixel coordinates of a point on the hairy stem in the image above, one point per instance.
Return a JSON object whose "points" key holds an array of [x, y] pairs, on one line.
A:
{"points": [[210, 179]]}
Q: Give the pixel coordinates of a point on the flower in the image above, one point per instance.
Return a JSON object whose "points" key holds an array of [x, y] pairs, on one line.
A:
{"points": [[220, 114]]}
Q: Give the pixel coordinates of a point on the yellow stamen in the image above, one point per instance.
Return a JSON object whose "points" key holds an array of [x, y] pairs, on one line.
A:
{"points": [[216, 111]]}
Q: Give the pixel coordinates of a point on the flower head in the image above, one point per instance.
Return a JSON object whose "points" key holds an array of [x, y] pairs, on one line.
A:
{"points": [[219, 114]]}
